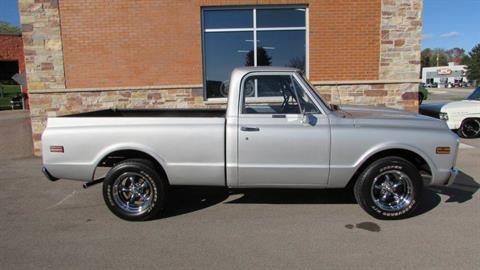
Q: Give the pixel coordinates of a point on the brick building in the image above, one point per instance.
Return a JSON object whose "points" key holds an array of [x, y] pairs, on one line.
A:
{"points": [[92, 54], [12, 60]]}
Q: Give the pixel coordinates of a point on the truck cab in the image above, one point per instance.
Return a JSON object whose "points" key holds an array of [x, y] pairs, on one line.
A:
{"points": [[273, 110]]}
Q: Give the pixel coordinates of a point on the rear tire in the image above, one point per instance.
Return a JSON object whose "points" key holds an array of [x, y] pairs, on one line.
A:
{"points": [[133, 190], [389, 188]]}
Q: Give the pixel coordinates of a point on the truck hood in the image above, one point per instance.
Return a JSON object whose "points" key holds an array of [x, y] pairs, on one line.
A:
{"points": [[434, 107], [463, 106], [387, 117], [378, 112]]}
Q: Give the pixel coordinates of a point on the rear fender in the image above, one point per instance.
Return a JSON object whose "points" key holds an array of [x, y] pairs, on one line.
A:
{"points": [[129, 146]]}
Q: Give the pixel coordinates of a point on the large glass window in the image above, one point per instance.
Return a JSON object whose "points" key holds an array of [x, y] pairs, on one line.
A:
{"points": [[251, 37]]}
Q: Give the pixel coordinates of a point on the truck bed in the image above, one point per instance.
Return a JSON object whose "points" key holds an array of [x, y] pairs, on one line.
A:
{"points": [[153, 113], [189, 144]]}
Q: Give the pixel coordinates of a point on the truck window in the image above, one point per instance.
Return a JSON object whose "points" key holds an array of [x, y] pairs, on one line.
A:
{"points": [[275, 94]]}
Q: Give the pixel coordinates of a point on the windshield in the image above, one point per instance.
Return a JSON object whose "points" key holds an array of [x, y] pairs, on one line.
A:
{"points": [[475, 95], [314, 92]]}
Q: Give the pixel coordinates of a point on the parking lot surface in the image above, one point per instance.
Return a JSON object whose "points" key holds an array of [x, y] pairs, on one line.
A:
{"points": [[447, 94], [59, 225]]}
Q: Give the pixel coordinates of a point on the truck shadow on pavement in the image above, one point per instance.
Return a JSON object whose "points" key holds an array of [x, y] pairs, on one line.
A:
{"points": [[184, 200], [461, 190]]}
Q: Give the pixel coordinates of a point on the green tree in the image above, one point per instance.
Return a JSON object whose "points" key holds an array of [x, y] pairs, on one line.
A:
{"points": [[456, 55], [425, 58], [5, 27], [473, 64], [439, 57], [433, 58], [263, 59]]}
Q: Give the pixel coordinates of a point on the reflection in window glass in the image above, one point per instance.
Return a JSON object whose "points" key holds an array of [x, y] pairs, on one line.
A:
{"points": [[224, 51], [234, 18], [281, 17], [281, 48], [228, 47]]}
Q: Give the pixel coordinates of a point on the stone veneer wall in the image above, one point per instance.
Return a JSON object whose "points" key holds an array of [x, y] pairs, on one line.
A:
{"points": [[394, 95], [397, 84], [401, 36], [42, 44]]}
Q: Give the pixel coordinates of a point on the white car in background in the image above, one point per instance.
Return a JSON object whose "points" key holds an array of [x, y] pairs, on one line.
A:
{"points": [[463, 116]]}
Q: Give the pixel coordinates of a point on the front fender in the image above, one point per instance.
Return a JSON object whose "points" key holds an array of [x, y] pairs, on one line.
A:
{"points": [[401, 146]]}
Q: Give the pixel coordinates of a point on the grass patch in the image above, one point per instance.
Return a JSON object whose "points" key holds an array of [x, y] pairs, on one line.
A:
{"points": [[9, 91]]}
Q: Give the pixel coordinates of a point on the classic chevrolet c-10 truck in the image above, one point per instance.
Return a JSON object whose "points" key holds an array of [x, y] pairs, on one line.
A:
{"points": [[276, 132]]}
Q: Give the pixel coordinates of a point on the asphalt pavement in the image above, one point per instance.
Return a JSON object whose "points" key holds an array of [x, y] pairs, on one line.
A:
{"points": [[447, 94], [59, 225]]}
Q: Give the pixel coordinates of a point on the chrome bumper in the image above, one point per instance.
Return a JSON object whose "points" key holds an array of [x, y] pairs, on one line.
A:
{"points": [[453, 174]]}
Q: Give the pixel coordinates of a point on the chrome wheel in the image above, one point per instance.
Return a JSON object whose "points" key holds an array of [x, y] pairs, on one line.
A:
{"points": [[392, 191], [133, 192], [471, 128]]}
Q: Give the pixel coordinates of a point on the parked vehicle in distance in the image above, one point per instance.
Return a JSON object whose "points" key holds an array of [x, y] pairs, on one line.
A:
{"points": [[462, 116], [422, 93], [17, 101], [276, 132]]}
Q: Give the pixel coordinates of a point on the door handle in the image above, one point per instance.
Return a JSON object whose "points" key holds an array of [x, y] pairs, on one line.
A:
{"points": [[249, 129]]}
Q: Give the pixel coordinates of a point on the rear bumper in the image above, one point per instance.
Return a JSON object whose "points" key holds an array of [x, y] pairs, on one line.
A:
{"points": [[48, 175]]}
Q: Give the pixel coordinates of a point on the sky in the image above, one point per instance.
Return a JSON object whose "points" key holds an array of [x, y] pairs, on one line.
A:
{"points": [[451, 23], [446, 23], [9, 12]]}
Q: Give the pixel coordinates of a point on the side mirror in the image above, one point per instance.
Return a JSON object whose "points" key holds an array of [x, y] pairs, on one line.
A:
{"points": [[310, 119]]}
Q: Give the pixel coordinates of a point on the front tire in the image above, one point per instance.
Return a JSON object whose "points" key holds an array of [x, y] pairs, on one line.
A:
{"points": [[133, 190], [470, 128], [389, 188]]}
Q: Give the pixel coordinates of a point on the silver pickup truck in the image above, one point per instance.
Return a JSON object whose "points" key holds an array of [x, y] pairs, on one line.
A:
{"points": [[276, 132]]}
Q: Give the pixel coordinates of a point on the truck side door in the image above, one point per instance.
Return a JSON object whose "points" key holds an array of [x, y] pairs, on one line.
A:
{"points": [[283, 136]]}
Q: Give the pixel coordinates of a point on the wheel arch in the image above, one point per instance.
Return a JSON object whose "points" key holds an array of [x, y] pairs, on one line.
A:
{"points": [[418, 159], [470, 117], [114, 155]]}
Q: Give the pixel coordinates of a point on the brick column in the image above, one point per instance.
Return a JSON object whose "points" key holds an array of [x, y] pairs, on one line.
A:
{"points": [[43, 56], [400, 47]]}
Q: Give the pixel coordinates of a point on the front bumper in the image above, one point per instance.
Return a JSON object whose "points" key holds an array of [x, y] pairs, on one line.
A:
{"points": [[453, 174]]}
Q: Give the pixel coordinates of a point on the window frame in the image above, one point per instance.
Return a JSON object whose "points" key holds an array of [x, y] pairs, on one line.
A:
{"points": [[294, 75], [253, 29]]}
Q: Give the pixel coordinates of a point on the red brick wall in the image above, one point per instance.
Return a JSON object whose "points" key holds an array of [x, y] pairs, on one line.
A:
{"points": [[344, 39], [11, 49], [135, 43]]}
